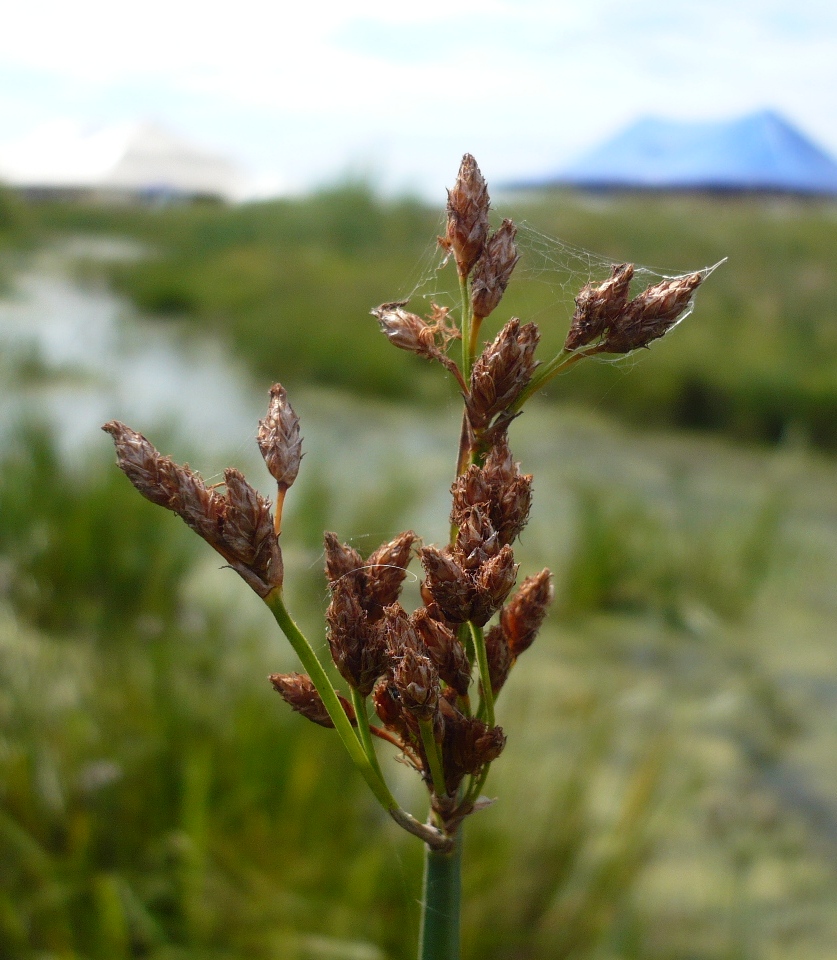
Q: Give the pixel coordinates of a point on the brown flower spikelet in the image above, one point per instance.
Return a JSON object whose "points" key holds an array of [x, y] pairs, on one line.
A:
{"points": [[598, 307], [252, 547], [385, 570], [476, 539], [468, 745], [279, 439], [523, 616], [493, 270], [500, 657], [417, 682], [341, 560], [493, 582], [651, 314], [467, 223], [501, 372], [444, 649], [298, 690], [499, 488], [448, 584], [238, 524], [387, 703], [357, 647]]}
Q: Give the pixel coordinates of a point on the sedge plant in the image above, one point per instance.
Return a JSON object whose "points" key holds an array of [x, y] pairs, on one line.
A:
{"points": [[423, 683]]}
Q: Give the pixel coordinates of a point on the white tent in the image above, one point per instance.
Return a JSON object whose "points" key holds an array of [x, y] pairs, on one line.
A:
{"points": [[130, 161]]}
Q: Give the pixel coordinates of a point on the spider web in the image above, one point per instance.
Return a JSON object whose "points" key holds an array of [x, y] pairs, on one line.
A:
{"points": [[557, 268]]}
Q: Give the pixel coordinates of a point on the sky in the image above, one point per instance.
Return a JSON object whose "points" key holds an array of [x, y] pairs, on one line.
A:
{"points": [[307, 93]]}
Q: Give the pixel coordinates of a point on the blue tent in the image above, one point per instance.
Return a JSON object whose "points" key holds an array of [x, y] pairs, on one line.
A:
{"points": [[760, 152]]}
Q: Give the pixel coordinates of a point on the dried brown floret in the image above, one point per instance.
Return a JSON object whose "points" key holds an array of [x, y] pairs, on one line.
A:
{"points": [[498, 488], [406, 330], [417, 682], [279, 439], [387, 702], [385, 570], [398, 633], [444, 649], [493, 583], [467, 223], [448, 584], [598, 307], [249, 540], [409, 332], [500, 657], [476, 539], [298, 690], [651, 314], [341, 560], [502, 371], [493, 270], [238, 524], [357, 647], [522, 617], [469, 744]]}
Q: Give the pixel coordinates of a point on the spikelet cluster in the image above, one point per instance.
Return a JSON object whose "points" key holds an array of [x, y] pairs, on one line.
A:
{"points": [[431, 674]]}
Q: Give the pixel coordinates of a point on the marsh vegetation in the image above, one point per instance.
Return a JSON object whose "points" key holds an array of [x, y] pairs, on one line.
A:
{"points": [[673, 721]]}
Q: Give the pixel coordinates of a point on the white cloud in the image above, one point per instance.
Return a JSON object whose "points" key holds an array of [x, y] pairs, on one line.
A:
{"points": [[322, 83]]}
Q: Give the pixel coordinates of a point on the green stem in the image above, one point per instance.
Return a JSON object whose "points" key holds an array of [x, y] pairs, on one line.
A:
{"points": [[542, 376], [324, 687], [439, 938], [465, 327], [473, 339], [475, 789], [434, 757], [364, 731], [485, 677]]}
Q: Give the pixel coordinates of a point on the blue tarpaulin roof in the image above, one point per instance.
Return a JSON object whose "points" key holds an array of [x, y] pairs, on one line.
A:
{"points": [[761, 151]]}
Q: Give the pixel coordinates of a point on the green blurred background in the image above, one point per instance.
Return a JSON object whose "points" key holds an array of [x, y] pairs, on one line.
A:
{"points": [[668, 791]]}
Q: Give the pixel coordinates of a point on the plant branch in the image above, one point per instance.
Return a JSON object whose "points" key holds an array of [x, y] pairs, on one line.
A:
{"points": [[478, 638], [434, 757], [364, 732], [432, 837], [545, 373]]}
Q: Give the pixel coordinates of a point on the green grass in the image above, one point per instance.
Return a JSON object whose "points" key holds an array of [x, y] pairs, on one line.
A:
{"points": [[757, 361], [664, 759]]}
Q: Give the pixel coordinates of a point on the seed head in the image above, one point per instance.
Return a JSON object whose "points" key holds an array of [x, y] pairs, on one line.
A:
{"points": [[249, 539], [298, 690], [501, 372], [493, 270], [598, 307], [444, 649], [409, 332], [398, 633], [417, 682], [493, 582], [341, 561], [385, 570], [522, 617], [476, 539], [357, 647], [511, 491], [388, 706], [652, 314], [467, 224], [448, 584], [279, 439], [406, 330], [238, 524], [500, 658], [468, 745]]}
